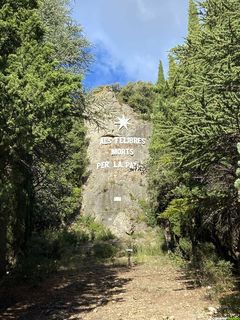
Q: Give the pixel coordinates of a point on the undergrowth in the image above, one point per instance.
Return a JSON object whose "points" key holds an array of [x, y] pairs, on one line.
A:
{"points": [[149, 247], [51, 250], [209, 270]]}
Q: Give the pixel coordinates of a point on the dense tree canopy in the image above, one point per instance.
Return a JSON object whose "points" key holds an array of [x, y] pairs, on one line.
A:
{"points": [[196, 131], [41, 121]]}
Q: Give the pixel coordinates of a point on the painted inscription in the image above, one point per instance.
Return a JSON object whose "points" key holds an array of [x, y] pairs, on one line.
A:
{"points": [[123, 140], [122, 146]]}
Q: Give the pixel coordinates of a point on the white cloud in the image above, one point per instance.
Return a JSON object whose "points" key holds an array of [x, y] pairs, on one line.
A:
{"points": [[146, 12], [136, 33]]}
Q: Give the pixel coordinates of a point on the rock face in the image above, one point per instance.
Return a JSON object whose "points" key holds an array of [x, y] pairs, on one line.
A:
{"points": [[116, 189]]}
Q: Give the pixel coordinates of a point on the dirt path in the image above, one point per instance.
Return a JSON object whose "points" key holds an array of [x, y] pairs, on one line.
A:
{"points": [[154, 293], [107, 292]]}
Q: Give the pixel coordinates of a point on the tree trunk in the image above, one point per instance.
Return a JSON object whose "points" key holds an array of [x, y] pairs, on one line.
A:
{"points": [[3, 241], [24, 205], [6, 202]]}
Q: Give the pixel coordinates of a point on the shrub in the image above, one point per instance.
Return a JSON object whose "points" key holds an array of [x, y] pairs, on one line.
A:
{"points": [[40, 259], [208, 269], [45, 251], [104, 250], [72, 238], [139, 96], [148, 215], [94, 229]]}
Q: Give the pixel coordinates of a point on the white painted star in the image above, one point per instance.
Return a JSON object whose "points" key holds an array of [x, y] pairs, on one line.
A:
{"points": [[122, 122]]}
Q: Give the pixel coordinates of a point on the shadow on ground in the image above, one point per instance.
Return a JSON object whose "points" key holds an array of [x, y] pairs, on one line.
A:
{"points": [[230, 303], [67, 296], [188, 282]]}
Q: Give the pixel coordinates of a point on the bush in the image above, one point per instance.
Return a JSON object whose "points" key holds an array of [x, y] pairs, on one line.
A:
{"points": [[147, 250], [148, 214], [72, 238], [39, 261], [219, 273], [185, 246], [45, 251], [104, 250], [139, 96], [92, 228], [208, 269]]}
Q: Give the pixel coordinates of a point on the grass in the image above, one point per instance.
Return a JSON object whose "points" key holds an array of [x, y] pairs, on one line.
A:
{"points": [[147, 247]]}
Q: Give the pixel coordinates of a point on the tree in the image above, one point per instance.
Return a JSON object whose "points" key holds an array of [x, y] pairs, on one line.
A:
{"points": [[39, 101], [61, 174], [71, 48], [172, 71], [209, 131], [161, 78], [200, 123], [193, 20]]}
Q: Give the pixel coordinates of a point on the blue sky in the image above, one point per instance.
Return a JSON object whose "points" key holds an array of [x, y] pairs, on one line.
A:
{"points": [[129, 37]]}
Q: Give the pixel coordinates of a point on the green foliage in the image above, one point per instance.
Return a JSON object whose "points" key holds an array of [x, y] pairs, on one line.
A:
{"points": [[161, 79], [193, 21], [39, 261], [94, 229], [139, 96], [178, 213], [172, 73], [193, 152], [42, 133], [66, 37], [46, 252], [147, 250], [219, 272], [149, 216], [185, 246], [59, 178], [104, 250], [72, 238], [209, 270], [148, 246]]}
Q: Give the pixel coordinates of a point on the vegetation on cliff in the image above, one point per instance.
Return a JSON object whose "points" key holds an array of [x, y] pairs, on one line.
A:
{"points": [[139, 96]]}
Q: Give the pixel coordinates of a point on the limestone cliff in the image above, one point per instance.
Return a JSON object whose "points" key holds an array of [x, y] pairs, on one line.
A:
{"points": [[118, 154]]}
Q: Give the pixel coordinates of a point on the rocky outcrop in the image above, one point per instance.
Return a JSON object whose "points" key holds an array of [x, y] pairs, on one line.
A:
{"points": [[118, 153]]}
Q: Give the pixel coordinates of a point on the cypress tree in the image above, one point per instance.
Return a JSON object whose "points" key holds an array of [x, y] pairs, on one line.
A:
{"points": [[193, 20], [172, 69], [161, 78], [66, 37]]}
